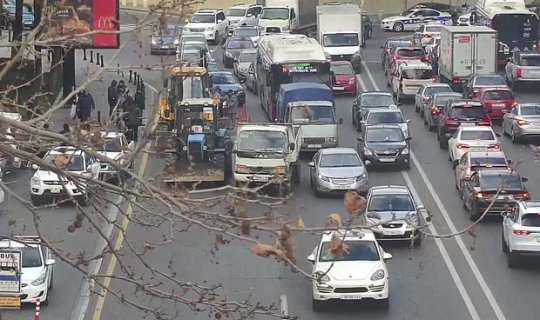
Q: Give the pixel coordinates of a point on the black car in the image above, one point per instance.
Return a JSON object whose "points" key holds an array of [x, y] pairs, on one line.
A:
{"points": [[390, 45], [480, 189], [233, 47], [370, 100], [384, 145], [165, 40], [367, 28], [226, 81]]}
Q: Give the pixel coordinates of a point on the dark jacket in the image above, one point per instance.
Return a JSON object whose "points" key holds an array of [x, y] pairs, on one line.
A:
{"points": [[85, 105], [139, 99], [133, 116], [112, 94]]}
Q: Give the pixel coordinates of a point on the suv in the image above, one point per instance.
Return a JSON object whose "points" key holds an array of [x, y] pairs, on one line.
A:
{"points": [[396, 212], [36, 267], [457, 112], [46, 184], [212, 23], [355, 274], [243, 15], [521, 226], [384, 144]]}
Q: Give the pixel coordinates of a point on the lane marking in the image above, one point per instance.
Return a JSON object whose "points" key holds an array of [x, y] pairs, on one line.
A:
{"points": [[284, 305], [476, 272]]}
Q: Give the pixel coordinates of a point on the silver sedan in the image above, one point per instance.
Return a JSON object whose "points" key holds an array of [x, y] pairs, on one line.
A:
{"points": [[522, 121], [336, 170]]}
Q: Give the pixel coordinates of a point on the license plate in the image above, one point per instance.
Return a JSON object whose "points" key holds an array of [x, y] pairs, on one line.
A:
{"points": [[478, 149], [505, 197], [260, 178], [165, 47], [314, 146], [387, 159], [499, 105], [338, 88], [351, 297], [55, 190], [465, 124], [10, 302], [343, 187], [398, 232]]}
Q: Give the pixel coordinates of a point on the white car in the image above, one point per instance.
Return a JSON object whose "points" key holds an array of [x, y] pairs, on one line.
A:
{"points": [[412, 19], [36, 267], [426, 33], [243, 15], [472, 138], [212, 23], [409, 78], [521, 227], [47, 185], [355, 274], [117, 148]]}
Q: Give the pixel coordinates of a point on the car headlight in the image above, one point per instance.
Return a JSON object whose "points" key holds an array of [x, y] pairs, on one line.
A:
{"points": [[228, 54], [324, 178], [361, 177], [367, 152], [41, 279], [241, 169], [405, 151], [331, 139], [34, 180], [209, 28], [154, 41], [357, 54], [321, 277], [377, 275]]}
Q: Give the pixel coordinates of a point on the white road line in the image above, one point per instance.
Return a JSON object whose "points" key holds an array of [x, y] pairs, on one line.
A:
{"points": [[446, 257], [476, 272], [284, 305]]}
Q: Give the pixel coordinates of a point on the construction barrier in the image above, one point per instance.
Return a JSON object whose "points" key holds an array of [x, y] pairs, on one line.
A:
{"points": [[37, 317]]}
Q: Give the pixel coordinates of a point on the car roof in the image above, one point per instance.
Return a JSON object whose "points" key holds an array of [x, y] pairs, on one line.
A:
{"points": [[390, 189], [453, 94], [532, 206], [363, 234], [495, 172], [381, 93], [248, 51], [486, 154], [239, 38], [475, 128], [11, 243], [383, 126], [384, 110], [222, 72], [208, 11], [340, 150], [65, 150]]}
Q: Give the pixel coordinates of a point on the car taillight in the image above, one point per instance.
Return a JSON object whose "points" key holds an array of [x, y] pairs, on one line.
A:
{"points": [[522, 122], [522, 196], [456, 81], [514, 104], [494, 146], [435, 111], [485, 122], [463, 146], [450, 122], [520, 232], [484, 195], [519, 73], [424, 58], [397, 58]]}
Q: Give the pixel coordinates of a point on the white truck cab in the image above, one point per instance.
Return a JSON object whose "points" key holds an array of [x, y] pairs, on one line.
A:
{"points": [[409, 76], [47, 185]]}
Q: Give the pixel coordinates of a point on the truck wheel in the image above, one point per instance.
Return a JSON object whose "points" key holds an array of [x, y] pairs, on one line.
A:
{"points": [[398, 27]]}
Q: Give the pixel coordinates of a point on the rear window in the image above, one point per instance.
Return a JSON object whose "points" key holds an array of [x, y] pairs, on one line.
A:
{"points": [[477, 135], [442, 100], [532, 61], [499, 95], [417, 74], [410, 53], [486, 161], [433, 29], [530, 110], [431, 90], [476, 112], [490, 81], [394, 44], [496, 181], [530, 220]]}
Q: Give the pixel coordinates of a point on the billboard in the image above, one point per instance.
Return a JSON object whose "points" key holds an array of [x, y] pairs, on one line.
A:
{"points": [[83, 20]]}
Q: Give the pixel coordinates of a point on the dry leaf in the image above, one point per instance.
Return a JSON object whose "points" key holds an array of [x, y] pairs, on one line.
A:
{"points": [[337, 246], [334, 220], [301, 223], [264, 250], [355, 203]]}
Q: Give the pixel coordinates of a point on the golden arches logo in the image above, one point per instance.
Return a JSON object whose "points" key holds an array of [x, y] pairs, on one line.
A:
{"points": [[106, 23]]}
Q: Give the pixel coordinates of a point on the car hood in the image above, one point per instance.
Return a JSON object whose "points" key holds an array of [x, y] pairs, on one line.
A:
{"points": [[317, 130], [344, 78], [227, 87], [389, 215], [344, 172], [30, 274], [111, 155], [385, 145], [199, 25], [234, 52], [45, 175], [244, 65], [349, 270], [393, 18]]}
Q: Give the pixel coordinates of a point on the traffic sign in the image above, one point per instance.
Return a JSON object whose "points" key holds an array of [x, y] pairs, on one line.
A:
{"points": [[10, 279]]}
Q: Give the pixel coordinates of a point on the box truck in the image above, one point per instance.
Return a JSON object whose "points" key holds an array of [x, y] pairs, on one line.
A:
{"points": [[287, 15]]}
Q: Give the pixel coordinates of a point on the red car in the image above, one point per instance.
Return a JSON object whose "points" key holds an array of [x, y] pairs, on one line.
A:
{"points": [[497, 100], [344, 79]]}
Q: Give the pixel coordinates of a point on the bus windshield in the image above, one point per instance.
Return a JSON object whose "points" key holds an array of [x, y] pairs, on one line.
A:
{"points": [[516, 30]]}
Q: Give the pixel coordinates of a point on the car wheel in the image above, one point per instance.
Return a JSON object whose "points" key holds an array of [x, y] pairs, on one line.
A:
{"points": [[407, 165], [514, 137], [51, 282], [512, 259], [473, 212], [384, 304], [504, 246], [443, 143], [216, 38], [296, 175], [317, 305], [398, 27]]}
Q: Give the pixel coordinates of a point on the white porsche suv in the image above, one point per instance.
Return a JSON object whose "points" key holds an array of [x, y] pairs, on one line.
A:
{"points": [[357, 272], [47, 185], [36, 267]]}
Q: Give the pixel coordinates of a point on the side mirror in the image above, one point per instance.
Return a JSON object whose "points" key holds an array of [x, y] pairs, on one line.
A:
{"points": [[387, 256], [340, 121], [523, 179], [50, 262], [35, 166], [249, 15], [219, 21], [234, 151], [292, 146], [408, 120], [311, 164], [186, 20], [420, 207], [311, 258], [408, 138], [367, 162]]}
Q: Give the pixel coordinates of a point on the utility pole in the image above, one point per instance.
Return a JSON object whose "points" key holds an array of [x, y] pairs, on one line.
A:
{"points": [[68, 68]]}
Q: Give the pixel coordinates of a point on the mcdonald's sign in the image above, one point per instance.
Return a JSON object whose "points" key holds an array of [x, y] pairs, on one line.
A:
{"points": [[87, 23]]}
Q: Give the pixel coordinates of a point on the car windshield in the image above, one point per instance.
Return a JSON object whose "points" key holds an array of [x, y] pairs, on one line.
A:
{"points": [[379, 100], [442, 100], [248, 57], [407, 12], [476, 112], [202, 18], [275, 14], [223, 78], [490, 81], [385, 117], [499, 95], [337, 160], [487, 161], [395, 44], [390, 202], [212, 67], [246, 32], [384, 135], [436, 89], [354, 250], [76, 162], [410, 53], [31, 257], [340, 40], [341, 69], [530, 110], [262, 141], [240, 44], [432, 29], [530, 220], [477, 135], [190, 56], [312, 114], [236, 12], [112, 145], [530, 61], [193, 46], [496, 181], [417, 74]]}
